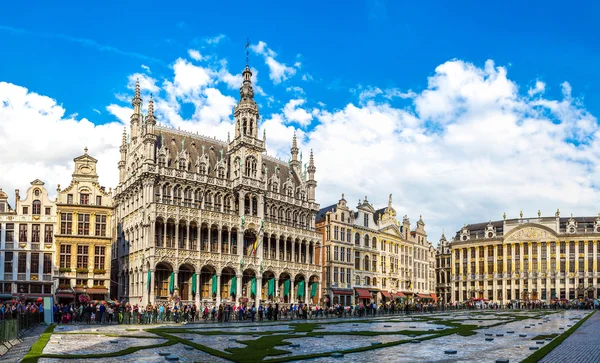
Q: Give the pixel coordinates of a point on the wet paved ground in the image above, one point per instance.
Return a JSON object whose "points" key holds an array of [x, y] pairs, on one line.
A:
{"points": [[497, 335], [583, 346]]}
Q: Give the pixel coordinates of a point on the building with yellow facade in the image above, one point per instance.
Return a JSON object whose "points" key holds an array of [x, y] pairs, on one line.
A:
{"points": [[369, 256], [83, 234], [543, 258]]}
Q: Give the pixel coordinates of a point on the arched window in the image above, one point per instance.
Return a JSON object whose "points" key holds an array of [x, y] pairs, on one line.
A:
{"points": [[275, 187], [374, 244], [366, 240], [36, 207], [366, 264], [251, 167], [357, 239], [357, 280]]}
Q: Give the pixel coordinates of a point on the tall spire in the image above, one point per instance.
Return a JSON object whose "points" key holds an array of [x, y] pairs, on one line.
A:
{"points": [[312, 184], [294, 149], [137, 98], [150, 119]]}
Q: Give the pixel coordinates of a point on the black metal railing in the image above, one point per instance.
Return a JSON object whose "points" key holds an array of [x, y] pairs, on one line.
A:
{"points": [[12, 326]]}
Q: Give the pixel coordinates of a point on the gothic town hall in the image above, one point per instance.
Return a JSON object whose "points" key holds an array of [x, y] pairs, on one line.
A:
{"points": [[208, 221]]}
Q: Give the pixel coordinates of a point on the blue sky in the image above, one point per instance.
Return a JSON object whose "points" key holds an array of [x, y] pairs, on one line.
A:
{"points": [[82, 55]]}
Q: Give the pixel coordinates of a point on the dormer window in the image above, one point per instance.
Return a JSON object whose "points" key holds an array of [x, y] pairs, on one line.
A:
{"points": [[221, 172], [182, 165], [366, 219], [36, 207], [290, 192], [84, 198], [161, 160], [2, 207], [69, 198], [202, 168], [98, 200]]}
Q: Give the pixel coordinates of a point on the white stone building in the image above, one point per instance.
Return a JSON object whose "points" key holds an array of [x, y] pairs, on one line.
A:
{"points": [[27, 243], [210, 221]]}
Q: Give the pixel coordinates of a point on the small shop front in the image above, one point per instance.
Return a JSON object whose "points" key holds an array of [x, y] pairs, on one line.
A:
{"points": [[340, 296]]}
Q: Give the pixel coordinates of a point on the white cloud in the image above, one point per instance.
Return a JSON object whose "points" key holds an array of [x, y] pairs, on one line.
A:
{"points": [[465, 149], [195, 55], [215, 40], [307, 77], [146, 68], [540, 87], [60, 139], [278, 72], [294, 113], [97, 111], [296, 90]]}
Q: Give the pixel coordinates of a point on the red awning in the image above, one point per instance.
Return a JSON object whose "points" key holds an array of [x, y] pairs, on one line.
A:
{"points": [[362, 293], [407, 292], [399, 294], [434, 296], [341, 292], [97, 290], [65, 295], [424, 296], [386, 294]]}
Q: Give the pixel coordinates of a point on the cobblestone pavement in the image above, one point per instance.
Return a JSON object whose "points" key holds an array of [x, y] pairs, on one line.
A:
{"points": [[16, 353], [583, 346]]}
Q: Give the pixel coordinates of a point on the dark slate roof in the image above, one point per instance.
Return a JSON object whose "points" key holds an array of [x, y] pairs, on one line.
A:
{"points": [[212, 147], [378, 214], [323, 212]]}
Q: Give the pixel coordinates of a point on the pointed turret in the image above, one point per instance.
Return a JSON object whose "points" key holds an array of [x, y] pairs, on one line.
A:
{"points": [[312, 184], [137, 113], [123, 150], [150, 119]]}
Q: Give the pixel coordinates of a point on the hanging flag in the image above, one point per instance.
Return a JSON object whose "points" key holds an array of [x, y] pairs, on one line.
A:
{"points": [[172, 283], [194, 278], [300, 289], [214, 284], [286, 288], [315, 287], [271, 287], [149, 280], [234, 286], [253, 287]]}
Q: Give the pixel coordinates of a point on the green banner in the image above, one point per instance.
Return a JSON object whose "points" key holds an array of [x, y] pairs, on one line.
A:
{"points": [[253, 287], [271, 287], [214, 284], [172, 283], [313, 290], [233, 285], [300, 289], [149, 280], [194, 278], [286, 288]]}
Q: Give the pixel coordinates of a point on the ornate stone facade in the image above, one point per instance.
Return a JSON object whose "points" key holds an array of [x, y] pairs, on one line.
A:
{"points": [[541, 258], [84, 232], [443, 269], [209, 221], [370, 256], [27, 243]]}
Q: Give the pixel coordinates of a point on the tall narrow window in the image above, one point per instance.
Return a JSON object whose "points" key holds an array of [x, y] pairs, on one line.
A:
{"points": [[36, 207], [35, 233], [66, 223], [83, 226], [47, 263], [65, 256], [10, 232], [99, 257], [84, 198], [82, 256], [22, 233], [69, 198], [8, 264], [22, 266], [98, 200], [48, 231], [100, 225], [35, 263]]}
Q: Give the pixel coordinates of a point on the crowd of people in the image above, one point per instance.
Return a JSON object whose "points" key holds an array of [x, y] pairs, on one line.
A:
{"points": [[178, 312]]}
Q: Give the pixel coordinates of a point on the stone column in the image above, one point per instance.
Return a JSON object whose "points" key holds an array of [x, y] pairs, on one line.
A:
{"points": [[209, 238], [164, 243], [240, 243], [239, 288], [176, 277], [218, 289], [292, 292], [219, 237], [187, 236], [258, 292], [276, 292], [306, 297], [284, 249], [151, 297], [229, 241]]}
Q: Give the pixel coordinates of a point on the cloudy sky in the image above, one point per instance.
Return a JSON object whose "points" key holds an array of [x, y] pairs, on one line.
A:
{"points": [[462, 112]]}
